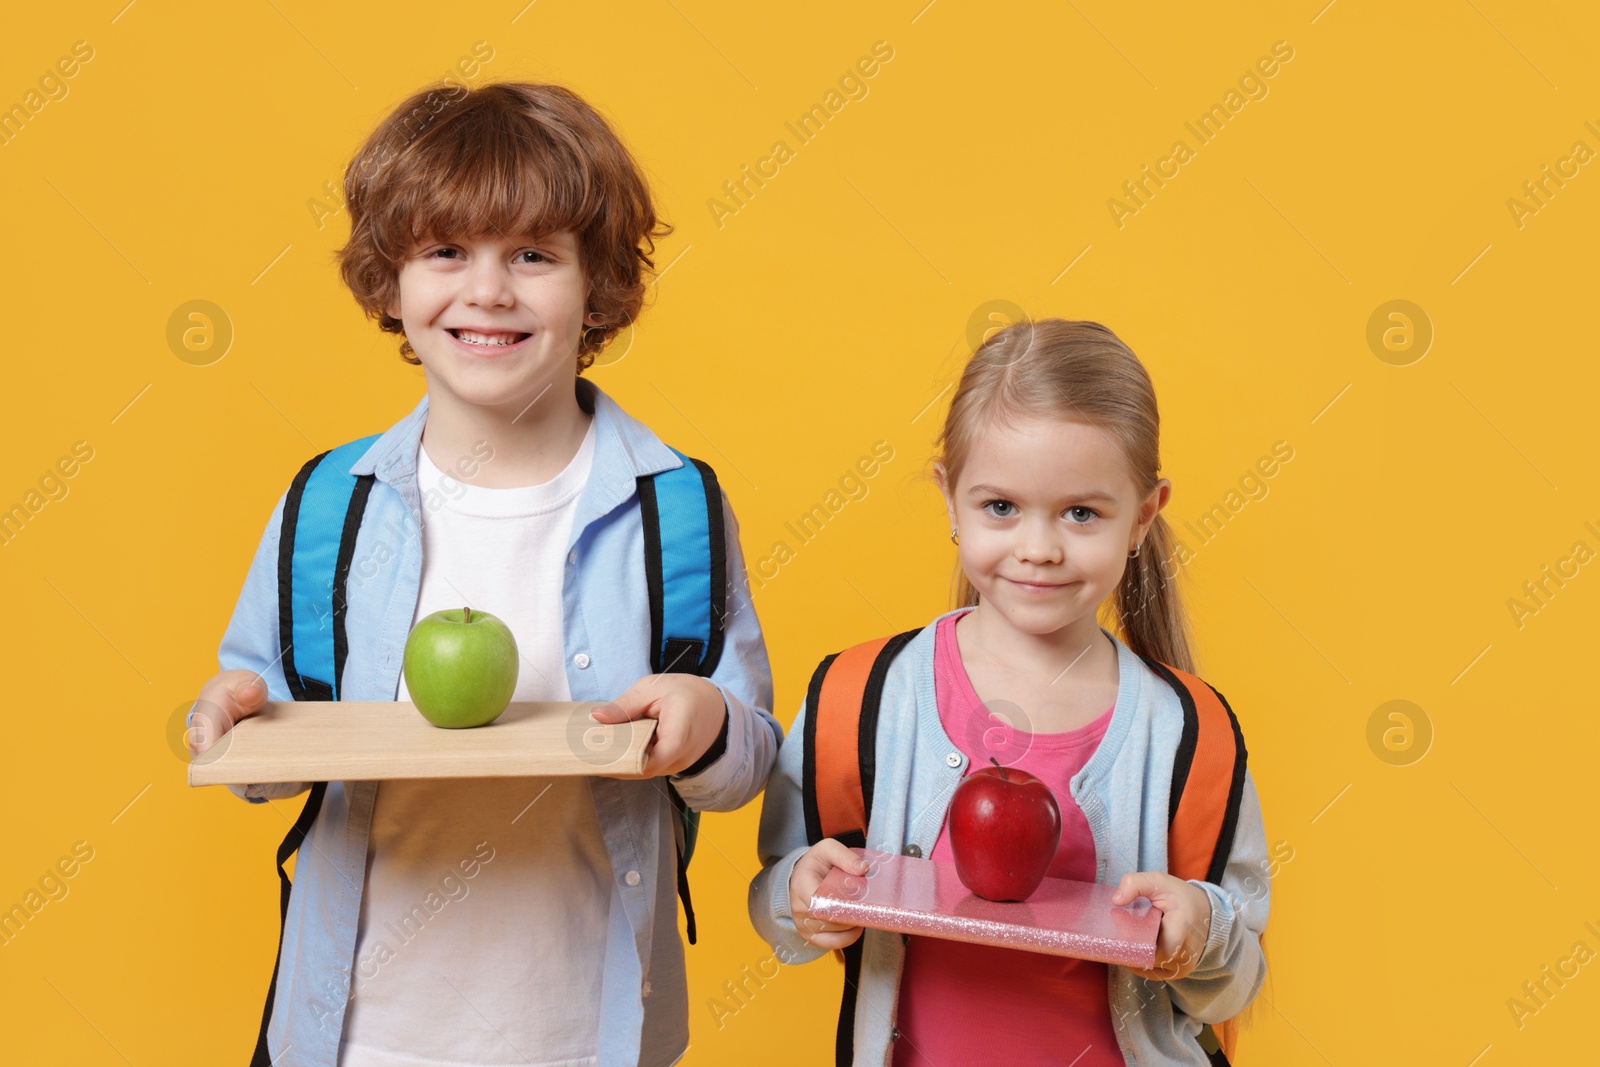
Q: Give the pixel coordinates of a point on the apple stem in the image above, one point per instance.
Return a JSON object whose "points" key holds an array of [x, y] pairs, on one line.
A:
{"points": [[999, 768], [466, 614]]}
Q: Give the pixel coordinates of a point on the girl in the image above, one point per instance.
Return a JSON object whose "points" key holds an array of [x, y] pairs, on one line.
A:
{"points": [[1048, 465]]}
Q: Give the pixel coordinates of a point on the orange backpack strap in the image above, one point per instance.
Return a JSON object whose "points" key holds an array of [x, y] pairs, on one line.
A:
{"points": [[1203, 809], [1207, 779], [841, 729], [839, 765]]}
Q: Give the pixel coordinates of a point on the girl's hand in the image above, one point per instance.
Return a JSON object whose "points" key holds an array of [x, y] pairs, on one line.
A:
{"points": [[1185, 921], [225, 699], [809, 871], [688, 711]]}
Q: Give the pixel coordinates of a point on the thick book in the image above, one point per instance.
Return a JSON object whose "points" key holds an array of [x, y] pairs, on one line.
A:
{"points": [[333, 741]]}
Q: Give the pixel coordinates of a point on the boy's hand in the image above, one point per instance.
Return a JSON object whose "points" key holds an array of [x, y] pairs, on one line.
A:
{"points": [[1185, 921], [689, 712], [228, 697], [809, 871]]}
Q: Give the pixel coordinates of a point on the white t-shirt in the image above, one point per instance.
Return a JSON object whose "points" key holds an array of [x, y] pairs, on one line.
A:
{"points": [[483, 923]]}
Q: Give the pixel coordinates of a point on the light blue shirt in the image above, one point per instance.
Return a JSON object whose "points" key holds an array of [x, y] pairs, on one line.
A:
{"points": [[606, 621], [1123, 793]]}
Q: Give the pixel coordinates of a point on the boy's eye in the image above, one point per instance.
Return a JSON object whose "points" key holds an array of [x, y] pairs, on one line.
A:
{"points": [[444, 253], [1000, 509], [537, 256]]}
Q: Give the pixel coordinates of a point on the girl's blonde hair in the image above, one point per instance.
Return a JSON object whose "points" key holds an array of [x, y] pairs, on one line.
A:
{"points": [[1082, 372]]}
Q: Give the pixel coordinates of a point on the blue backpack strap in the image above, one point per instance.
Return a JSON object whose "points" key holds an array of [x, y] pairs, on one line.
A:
{"points": [[686, 572], [316, 544], [321, 516], [685, 566]]}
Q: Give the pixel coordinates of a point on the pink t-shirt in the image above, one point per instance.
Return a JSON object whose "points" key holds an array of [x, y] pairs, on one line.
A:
{"points": [[962, 1003]]}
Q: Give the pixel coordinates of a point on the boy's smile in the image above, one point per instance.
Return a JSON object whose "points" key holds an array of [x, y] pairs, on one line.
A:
{"points": [[495, 321], [485, 341]]}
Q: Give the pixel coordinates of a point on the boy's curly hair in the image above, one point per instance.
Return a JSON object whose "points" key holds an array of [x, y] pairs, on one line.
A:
{"points": [[513, 158]]}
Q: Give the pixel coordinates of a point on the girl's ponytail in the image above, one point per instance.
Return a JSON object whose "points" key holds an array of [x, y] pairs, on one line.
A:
{"points": [[1149, 610]]}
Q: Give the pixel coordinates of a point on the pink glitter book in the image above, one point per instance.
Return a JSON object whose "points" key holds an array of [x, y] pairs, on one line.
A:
{"points": [[1061, 918]]}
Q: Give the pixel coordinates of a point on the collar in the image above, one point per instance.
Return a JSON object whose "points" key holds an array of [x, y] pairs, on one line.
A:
{"points": [[625, 448]]}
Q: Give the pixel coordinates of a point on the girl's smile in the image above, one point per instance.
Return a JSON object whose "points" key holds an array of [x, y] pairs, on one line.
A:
{"points": [[1038, 587]]}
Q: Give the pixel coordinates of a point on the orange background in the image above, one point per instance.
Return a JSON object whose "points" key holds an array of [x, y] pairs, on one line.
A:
{"points": [[1439, 860]]}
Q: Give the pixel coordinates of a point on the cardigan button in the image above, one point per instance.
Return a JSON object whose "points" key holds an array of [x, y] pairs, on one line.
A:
{"points": [[632, 878], [913, 850], [953, 760], [894, 1033]]}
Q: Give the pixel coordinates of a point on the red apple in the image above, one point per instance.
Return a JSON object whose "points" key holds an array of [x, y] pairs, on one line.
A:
{"points": [[1005, 826]]}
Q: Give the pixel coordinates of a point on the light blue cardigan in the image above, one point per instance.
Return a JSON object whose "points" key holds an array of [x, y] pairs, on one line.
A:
{"points": [[1123, 792]]}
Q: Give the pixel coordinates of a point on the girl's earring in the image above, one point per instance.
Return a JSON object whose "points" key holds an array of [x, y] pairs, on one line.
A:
{"points": [[1135, 553], [954, 538]]}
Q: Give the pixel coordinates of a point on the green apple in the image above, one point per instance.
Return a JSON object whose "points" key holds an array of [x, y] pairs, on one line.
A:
{"points": [[461, 667]]}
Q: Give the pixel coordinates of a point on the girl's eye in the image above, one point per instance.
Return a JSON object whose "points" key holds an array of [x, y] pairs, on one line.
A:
{"points": [[1000, 509], [1093, 514]]}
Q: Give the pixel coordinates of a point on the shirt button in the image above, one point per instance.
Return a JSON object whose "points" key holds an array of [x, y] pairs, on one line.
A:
{"points": [[953, 760], [913, 850], [647, 989], [632, 878], [572, 557], [581, 660]]}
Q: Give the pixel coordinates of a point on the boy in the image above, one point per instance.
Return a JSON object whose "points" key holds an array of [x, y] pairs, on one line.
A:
{"points": [[505, 232]]}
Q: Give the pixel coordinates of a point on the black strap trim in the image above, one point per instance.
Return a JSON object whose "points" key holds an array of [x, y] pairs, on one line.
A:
{"points": [[680, 655], [871, 698], [808, 762], [680, 810], [844, 1038], [290, 845], [291, 514], [852, 838], [341, 574], [719, 566], [1230, 818], [1183, 759], [650, 514]]}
